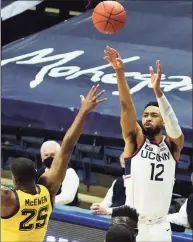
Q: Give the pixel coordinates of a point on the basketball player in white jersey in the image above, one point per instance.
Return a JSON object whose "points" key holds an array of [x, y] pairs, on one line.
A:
{"points": [[152, 155]]}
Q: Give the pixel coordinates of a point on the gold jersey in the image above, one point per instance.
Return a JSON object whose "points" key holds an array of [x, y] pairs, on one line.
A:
{"points": [[30, 220]]}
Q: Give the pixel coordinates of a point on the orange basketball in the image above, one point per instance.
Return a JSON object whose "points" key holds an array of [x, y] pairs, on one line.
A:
{"points": [[109, 17]]}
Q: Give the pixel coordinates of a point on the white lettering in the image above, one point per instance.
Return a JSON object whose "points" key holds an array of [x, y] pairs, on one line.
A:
{"points": [[69, 70], [39, 57], [64, 58], [95, 74], [97, 70], [145, 78], [184, 85]]}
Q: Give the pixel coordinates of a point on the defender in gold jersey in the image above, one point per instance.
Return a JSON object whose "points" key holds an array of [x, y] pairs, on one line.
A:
{"points": [[25, 210]]}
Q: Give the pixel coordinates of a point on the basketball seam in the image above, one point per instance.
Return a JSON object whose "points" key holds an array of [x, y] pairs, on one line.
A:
{"points": [[112, 10], [110, 18], [112, 26], [105, 22], [118, 13]]}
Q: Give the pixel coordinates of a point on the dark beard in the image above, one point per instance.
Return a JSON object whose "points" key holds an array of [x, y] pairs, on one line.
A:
{"points": [[151, 133]]}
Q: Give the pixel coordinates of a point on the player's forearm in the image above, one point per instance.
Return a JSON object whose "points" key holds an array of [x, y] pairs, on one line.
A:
{"points": [[128, 112], [70, 139], [5, 196], [124, 93], [74, 132], [172, 127]]}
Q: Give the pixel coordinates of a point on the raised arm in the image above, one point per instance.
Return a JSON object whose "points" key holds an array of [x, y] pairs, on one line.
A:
{"points": [[173, 130], [55, 176], [132, 133]]}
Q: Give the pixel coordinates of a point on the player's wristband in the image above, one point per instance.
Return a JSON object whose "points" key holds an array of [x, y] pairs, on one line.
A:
{"points": [[172, 127]]}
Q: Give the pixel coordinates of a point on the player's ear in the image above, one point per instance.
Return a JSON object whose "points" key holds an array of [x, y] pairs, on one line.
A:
{"points": [[163, 124]]}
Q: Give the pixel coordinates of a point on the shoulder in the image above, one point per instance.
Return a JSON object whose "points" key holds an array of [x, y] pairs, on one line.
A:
{"points": [[9, 202], [71, 173], [190, 199], [7, 192], [8, 196]]}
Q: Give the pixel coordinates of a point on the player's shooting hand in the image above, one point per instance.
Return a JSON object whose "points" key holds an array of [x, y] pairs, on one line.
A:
{"points": [[92, 99], [156, 78], [113, 57]]}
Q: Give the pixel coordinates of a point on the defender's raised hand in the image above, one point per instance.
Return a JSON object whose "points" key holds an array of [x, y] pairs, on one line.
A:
{"points": [[156, 78], [113, 57], [91, 101]]}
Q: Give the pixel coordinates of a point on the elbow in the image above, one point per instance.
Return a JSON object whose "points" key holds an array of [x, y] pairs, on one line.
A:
{"points": [[125, 105], [68, 148]]}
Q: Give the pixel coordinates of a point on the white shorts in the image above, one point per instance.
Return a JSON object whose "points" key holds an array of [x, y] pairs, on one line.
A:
{"points": [[154, 232]]}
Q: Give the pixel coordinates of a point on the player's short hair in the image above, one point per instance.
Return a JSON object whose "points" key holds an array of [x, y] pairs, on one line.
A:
{"points": [[123, 225], [125, 211], [152, 103], [23, 170], [117, 233]]}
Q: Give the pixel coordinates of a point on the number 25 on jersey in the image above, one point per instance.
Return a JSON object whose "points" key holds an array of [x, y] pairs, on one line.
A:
{"points": [[40, 218]]}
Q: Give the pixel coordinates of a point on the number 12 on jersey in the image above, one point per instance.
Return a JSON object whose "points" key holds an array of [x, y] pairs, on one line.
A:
{"points": [[156, 172]]}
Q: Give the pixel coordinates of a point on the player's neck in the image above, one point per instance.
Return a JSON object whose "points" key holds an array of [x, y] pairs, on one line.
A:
{"points": [[157, 138], [28, 188]]}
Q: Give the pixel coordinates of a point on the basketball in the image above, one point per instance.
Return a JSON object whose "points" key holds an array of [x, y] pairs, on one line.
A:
{"points": [[109, 17]]}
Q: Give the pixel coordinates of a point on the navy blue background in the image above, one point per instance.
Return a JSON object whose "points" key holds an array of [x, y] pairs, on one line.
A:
{"points": [[154, 30]]}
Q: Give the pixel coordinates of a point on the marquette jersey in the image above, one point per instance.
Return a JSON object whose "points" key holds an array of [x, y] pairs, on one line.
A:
{"points": [[152, 179], [30, 220]]}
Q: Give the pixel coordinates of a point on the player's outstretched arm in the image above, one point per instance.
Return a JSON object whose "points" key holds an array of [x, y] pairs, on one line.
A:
{"points": [[172, 127], [55, 176], [131, 130]]}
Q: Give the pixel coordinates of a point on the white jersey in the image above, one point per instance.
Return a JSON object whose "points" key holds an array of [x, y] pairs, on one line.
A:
{"points": [[152, 179]]}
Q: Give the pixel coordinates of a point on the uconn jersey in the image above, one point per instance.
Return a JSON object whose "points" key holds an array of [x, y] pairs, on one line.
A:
{"points": [[152, 179]]}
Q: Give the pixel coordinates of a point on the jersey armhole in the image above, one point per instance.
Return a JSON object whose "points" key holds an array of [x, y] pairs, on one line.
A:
{"points": [[167, 144], [137, 151], [16, 208], [48, 192]]}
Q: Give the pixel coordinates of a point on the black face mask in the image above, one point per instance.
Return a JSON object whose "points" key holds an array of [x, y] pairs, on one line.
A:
{"points": [[48, 161]]}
